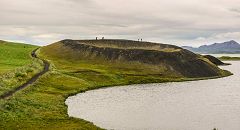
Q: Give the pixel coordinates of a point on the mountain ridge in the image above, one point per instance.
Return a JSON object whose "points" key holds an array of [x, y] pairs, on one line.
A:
{"points": [[225, 47]]}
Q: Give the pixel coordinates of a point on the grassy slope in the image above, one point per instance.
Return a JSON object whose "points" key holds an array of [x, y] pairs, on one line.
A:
{"points": [[41, 106], [13, 55], [16, 65]]}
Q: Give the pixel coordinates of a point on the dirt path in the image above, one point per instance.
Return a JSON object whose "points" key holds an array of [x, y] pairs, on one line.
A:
{"points": [[30, 81]]}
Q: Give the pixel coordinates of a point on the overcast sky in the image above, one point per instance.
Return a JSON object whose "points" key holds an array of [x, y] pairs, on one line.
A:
{"points": [[179, 22]]}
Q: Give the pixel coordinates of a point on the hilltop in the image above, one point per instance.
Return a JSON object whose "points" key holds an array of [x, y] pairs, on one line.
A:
{"points": [[225, 47], [154, 58], [13, 55]]}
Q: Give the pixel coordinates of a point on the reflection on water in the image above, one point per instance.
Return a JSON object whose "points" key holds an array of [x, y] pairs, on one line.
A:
{"points": [[195, 105]]}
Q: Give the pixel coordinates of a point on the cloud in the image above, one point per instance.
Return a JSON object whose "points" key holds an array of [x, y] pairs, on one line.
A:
{"points": [[235, 10], [177, 22]]}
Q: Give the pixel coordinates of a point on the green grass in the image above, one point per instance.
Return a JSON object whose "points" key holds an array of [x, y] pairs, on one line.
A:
{"points": [[13, 55], [226, 58], [16, 65], [41, 105]]}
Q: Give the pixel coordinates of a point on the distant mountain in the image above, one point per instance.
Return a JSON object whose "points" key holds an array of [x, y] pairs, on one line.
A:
{"points": [[225, 47]]}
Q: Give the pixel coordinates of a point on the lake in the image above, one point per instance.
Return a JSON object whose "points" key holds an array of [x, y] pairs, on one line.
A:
{"points": [[192, 105]]}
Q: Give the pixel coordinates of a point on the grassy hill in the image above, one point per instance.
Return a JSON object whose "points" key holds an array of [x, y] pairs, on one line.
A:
{"points": [[13, 55], [40, 105], [130, 57], [16, 65]]}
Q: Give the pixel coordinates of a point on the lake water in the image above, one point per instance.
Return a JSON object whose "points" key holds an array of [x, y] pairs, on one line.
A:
{"points": [[193, 105]]}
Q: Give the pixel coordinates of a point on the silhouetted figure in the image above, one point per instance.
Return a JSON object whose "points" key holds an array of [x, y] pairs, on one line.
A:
{"points": [[96, 38], [102, 38], [141, 40]]}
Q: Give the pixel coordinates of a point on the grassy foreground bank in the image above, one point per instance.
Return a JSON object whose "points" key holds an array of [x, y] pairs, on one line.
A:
{"points": [[41, 105]]}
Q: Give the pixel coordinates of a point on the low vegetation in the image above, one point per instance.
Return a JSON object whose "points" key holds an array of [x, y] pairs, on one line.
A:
{"points": [[229, 58], [16, 65], [14, 55], [16, 77]]}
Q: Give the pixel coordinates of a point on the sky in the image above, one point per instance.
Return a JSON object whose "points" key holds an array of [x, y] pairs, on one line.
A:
{"points": [[178, 22]]}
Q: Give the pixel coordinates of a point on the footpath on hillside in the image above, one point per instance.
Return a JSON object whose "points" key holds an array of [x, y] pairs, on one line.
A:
{"points": [[30, 81]]}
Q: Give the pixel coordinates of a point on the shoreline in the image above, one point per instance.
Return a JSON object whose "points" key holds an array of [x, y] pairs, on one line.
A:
{"points": [[119, 85], [72, 100], [166, 81]]}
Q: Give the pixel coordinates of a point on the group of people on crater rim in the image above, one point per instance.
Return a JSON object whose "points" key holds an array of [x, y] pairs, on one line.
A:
{"points": [[140, 39], [103, 39], [97, 38]]}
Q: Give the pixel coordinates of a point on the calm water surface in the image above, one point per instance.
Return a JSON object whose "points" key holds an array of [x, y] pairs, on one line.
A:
{"points": [[193, 105]]}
